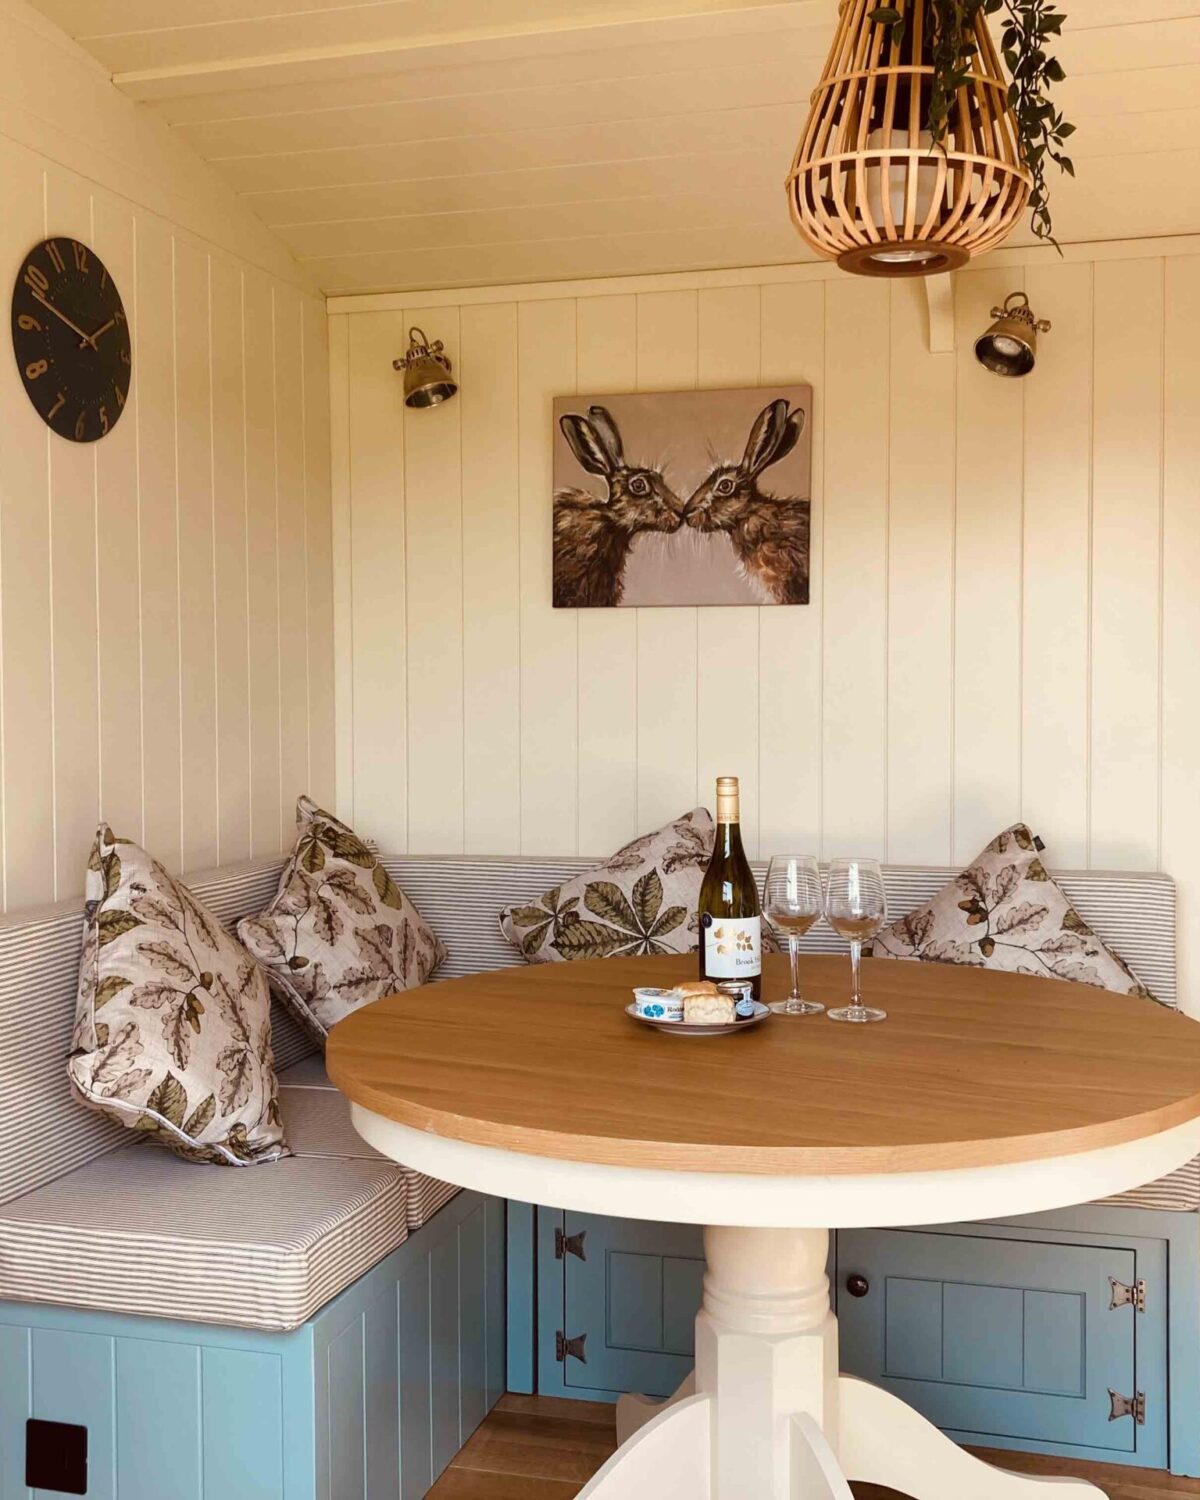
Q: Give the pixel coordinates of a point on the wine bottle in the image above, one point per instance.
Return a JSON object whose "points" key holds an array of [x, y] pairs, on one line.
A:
{"points": [[730, 913]]}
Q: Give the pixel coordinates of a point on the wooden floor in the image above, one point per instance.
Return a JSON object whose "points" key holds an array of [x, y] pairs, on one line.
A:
{"points": [[541, 1448]]}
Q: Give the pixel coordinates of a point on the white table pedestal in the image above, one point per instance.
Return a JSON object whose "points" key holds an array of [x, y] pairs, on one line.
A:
{"points": [[767, 1415]]}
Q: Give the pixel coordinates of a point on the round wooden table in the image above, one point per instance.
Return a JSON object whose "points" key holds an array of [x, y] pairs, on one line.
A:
{"points": [[984, 1094]]}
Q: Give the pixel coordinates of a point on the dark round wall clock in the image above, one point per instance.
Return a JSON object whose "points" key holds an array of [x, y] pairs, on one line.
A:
{"points": [[71, 339]]}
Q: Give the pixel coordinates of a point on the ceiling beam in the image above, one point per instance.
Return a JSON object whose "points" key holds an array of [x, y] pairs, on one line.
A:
{"points": [[679, 19]]}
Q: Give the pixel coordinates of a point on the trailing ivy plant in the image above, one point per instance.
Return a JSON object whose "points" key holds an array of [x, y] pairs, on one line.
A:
{"points": [[1027, 31]]}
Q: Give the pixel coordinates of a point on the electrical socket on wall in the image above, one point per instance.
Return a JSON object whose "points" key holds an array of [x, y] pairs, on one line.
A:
{"points": [[56, 1457]]}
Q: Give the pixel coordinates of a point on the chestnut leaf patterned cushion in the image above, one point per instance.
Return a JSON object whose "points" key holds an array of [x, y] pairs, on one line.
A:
{"points": [[340, 932], [1005, 912], [173, 1021], [641, 900]]}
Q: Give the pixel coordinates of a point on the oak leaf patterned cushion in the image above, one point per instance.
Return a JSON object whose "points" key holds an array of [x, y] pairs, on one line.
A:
{"points": [[173, 1021], [340, 932], [1005, 912], [642, 899]]}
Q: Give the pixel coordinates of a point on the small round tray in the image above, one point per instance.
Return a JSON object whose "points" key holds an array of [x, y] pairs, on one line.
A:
{"points": [[681, 1028]]}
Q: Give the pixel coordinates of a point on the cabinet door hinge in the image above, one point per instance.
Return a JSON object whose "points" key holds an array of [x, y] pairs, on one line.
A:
{"points": [[1127, 1406], [1127, 1296], [564, 1347], [569, 1244]]}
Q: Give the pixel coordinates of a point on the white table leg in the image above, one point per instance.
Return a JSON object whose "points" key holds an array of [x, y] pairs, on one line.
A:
{"points": [[884, 1441], [633, 1412], [668, 1455], [772, 1419], [766, 1349]]}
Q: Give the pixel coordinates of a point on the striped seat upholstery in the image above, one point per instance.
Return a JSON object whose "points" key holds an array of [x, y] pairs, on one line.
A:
{"points": [[425, 1194], [137, 1231]]}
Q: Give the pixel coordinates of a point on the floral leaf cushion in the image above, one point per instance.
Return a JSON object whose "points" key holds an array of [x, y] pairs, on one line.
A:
{"points": [[641, 900], [1005, 912], [339, 932], [173, 1020]]}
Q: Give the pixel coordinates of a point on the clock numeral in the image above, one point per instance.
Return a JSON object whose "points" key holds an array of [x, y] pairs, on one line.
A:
{"points": [[80, 425], [35, 369], [103, 277], [120, 394], [125, 356], [28, 324], [120, 317], [36, 279], [103, 421], [55, 255], [81, 256], [57, 407]]}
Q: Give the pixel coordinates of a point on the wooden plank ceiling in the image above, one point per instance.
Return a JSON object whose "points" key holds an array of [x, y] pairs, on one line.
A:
{"points": [[401, 144]]}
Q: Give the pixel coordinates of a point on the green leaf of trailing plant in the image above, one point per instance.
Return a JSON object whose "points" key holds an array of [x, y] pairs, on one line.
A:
{"points": [[113, 924], [108, 988], [169, 1099], [386, 889]]}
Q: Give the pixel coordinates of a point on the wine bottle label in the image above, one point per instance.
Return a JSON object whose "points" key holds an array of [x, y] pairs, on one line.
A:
{"points": [[732, 946]]}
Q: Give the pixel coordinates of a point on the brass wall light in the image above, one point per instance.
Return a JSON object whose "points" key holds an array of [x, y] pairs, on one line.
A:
{"points": [[1009, 347], [427, 377]]}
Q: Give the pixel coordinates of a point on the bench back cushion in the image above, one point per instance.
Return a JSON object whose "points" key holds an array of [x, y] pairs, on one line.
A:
{"points": [[45, 1132]]}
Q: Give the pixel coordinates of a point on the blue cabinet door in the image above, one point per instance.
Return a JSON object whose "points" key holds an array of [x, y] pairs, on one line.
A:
{"points": [[630, 1292], [1007, 1338]]}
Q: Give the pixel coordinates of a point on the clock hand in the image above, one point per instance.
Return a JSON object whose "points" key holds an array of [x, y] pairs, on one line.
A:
{"points": [[62, 317], [92, 340]]}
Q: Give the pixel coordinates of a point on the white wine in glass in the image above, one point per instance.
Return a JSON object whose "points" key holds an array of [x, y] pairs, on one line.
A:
{"points": [[792, 905], [856, 909]]}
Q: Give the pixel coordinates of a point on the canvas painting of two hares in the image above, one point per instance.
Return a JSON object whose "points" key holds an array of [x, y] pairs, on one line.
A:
{"points": [[682, 497]]}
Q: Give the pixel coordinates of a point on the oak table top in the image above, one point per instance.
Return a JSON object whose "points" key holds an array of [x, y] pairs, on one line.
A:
{"points": [[973, 1068]]}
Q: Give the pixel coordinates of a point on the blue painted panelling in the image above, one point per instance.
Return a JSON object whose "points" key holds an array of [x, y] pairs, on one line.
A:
{"points": [[158, 1420], [416, 1418], [472, 1320], [241, 1402], [381, 1372], [521, 1276], [496, 1323], [73, 1382], [347, 1414], [1021, 1330], [14, 1410], [443, 1365]]}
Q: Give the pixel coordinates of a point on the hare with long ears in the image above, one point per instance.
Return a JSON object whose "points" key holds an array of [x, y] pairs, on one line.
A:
{"points": [[593, 535], [770, 535]]}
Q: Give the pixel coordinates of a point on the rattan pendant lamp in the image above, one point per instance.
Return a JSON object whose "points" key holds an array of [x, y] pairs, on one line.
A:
{"points": [[869, 188]]}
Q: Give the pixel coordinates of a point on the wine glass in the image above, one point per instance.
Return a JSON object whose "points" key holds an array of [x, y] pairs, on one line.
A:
{"points": [[792, 904], [856, 909]]}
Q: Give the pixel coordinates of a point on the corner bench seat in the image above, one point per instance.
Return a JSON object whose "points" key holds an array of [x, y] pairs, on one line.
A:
{"points": [[137, 1231]]}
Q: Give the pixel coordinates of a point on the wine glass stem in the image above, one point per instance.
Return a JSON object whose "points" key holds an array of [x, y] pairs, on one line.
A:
{"points": [[794, 954], [855, 952]]}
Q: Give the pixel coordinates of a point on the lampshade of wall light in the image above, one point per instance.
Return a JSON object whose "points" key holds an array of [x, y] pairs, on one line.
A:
{"points": [[427, 377], [1009, 347]]}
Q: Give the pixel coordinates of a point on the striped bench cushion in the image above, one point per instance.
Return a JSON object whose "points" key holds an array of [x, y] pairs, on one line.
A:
{"points": [[425, 1194], [138, 1231]]}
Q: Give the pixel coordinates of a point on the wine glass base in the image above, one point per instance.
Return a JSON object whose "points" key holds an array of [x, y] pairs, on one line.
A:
{"points": [[796, 1008], [857, 1013]]}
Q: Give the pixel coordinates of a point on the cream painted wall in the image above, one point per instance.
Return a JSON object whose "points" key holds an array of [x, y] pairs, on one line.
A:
{"points": [[1004, 611], [165, 594]]}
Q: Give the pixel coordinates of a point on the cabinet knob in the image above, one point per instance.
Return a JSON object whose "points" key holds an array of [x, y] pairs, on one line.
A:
{"points": [[857, 1286]]}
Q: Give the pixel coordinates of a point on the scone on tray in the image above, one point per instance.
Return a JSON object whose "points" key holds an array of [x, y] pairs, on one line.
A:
{"points": [[704, 1004]]}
